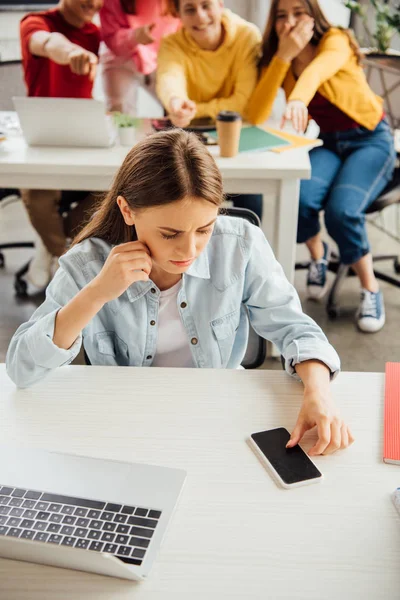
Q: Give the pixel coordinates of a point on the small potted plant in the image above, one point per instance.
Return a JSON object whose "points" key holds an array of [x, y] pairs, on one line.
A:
{"points": [[387, 22], [126, 126]]}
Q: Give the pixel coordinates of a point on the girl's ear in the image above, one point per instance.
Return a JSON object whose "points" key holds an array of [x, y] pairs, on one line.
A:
{"points": [[127, 213]]}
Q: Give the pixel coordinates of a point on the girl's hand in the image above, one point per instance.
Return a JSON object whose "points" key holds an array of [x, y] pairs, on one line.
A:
{"points": [[296, 112], [181, 111], [143, 35], [319, 410], [293, 41], [125, 264]]}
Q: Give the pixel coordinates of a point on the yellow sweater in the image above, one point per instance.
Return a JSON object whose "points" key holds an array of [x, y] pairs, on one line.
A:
{"points": [[222, 79], [334, 73]]}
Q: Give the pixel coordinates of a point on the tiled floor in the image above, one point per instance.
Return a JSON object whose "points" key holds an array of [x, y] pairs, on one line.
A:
{"points": [[358, 351]]}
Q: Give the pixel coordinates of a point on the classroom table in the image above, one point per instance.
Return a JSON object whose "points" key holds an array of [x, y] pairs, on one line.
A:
{"points": [[276, 176], [235, 534]]}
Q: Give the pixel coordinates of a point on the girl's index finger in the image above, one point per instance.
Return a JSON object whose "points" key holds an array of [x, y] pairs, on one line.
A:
{"points": [[129, 246]]}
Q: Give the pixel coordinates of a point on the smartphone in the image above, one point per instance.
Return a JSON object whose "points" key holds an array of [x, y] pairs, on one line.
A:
{"points": [[201, 124], [291, 467], [161, 124]]}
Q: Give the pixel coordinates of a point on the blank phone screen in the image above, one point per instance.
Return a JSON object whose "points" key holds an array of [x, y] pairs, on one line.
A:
{"points": [[292, 464]]}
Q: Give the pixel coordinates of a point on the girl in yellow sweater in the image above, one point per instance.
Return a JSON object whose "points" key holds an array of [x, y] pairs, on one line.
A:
{"points": [[209, 65], [319, 68]]}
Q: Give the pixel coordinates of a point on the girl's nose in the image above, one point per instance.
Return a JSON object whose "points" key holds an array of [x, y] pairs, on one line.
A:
{"points": [[188, 248], [202, 17]]}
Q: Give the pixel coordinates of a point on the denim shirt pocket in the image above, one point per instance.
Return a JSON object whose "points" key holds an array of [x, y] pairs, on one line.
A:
{"points": [[112, 349], [224, 330]]}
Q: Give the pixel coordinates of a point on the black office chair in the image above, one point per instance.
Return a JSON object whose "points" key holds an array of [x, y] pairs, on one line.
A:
{"points": [[69, 201], [256, 345], [5, 196], [389, 196], [11, 85]]}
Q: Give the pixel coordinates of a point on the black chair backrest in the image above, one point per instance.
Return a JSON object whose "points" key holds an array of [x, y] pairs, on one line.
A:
{"points": [[390, 195], [243, 213], [256, 345]]}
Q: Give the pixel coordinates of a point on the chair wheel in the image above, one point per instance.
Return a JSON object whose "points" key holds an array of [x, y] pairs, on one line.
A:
{"points": [[1, 260], [333, 312], [20, 288], [396, 265]]}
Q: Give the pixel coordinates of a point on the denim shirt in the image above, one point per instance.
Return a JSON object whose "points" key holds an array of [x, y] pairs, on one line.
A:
{"points": [[234, 280]]}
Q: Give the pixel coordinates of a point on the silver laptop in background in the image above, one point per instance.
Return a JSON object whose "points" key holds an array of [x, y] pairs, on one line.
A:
{"points": [[88, 514], [76, 122]]}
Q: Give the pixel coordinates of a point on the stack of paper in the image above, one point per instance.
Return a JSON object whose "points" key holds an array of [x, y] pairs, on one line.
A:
{"points": [[295, 141]]}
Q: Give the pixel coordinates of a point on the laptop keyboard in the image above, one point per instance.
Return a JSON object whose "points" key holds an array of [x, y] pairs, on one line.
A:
{"points": [[121, 530]]}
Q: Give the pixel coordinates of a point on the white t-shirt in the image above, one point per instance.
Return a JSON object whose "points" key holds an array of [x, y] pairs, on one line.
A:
{"points": [[173, 346]]}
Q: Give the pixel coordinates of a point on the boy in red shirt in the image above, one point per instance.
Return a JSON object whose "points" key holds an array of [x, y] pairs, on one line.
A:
{"points": [[59, 57]]}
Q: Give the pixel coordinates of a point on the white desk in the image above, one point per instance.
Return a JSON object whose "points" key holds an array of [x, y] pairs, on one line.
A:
{"points": [[276, 176], [235, 535]]}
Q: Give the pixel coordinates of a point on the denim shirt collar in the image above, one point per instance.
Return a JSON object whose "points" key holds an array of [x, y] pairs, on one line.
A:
{"points": [[200, 268], [138, 289]]}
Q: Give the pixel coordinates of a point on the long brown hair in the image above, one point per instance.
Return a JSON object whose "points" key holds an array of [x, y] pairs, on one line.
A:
{"points": [[270, 40], [164, 167]]}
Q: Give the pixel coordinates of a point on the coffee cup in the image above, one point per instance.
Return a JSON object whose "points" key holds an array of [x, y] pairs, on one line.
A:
{"points": [[229, 125]]}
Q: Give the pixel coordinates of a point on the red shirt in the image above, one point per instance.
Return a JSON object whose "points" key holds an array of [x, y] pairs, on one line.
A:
{"points": [[328, 117], [44, 77]]}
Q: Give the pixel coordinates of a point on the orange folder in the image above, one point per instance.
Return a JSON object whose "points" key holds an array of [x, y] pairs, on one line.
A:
{"points": [[391, 432], [296, 141]]}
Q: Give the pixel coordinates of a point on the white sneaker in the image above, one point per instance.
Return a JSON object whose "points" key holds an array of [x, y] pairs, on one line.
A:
{"points": [[39, 273], [370, 315]]}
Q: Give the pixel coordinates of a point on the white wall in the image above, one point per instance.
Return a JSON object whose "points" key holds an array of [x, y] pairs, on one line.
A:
{"points": [[257, 11], [9, 35]]}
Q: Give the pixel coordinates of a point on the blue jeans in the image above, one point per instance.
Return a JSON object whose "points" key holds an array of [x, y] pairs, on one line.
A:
{"points": [[347, 174], [253, 202]]}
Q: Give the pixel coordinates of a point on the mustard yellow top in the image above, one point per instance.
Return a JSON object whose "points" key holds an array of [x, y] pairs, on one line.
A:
{"points": [[221, 79], [334, 73]]}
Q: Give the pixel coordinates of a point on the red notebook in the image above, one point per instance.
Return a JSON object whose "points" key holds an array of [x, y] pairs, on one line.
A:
{"points": [[391, 432]]}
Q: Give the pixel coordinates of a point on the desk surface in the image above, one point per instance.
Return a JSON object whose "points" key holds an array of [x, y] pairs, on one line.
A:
{"points": [[95, 167], [235, 534]]}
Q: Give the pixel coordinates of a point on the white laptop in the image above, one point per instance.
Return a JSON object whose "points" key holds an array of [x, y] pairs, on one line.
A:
{"points": [[89, 514], [76, 122]]}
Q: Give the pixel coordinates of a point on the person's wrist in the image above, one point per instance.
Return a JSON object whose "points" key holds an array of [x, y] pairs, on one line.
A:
{"points": [[95, 295], [317, 390], [172, 101], [73, 50], [285, 56], [70, 56]]}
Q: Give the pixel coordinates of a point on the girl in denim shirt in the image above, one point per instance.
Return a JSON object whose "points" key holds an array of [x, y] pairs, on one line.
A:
{"points": [[157, 278]]}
